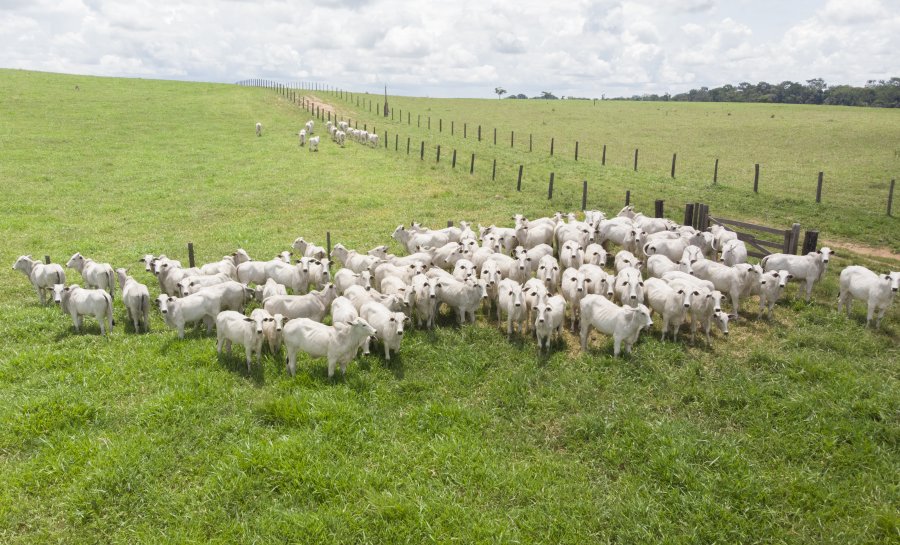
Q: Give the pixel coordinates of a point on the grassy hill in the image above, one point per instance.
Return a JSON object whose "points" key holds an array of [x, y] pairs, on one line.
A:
{"points": [[786, 432]]}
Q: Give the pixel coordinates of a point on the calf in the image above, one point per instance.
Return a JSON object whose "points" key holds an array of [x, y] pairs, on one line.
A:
{"points": [[388, 326], [43, 277], [623, 323], [177, 312], [95, 275], [810, 267], [771, 285], [463, 297], [511, 302], [877, 290], [272, 328], [234, 327], [425, 289], [549, 320], [136, 298], [672, 303], [77, 302], [339, 343]]}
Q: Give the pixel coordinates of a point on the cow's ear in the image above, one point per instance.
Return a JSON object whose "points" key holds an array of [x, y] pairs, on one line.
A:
{"points": [[248, 319], [790, 276]]}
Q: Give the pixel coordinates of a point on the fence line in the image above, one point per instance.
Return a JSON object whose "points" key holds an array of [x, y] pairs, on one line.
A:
{"points": [[289, 91]]}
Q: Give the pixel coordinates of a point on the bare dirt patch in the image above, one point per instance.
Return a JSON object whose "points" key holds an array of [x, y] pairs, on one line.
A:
{"points": [[881, 253], [324, 106]]}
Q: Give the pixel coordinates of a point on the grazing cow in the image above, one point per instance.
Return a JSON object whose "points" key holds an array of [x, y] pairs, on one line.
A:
{"points": [[43, 277], [810, 267], [78, 302], [234, 327], [877, 290], [339, 343], [623, 323], [95, 275], [136, 298]]}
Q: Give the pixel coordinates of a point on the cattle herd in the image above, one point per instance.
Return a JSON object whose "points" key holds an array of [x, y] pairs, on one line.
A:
{"points": [[536, 277], [337, 132]]}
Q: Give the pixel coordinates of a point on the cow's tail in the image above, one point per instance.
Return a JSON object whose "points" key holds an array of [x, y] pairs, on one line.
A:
{"points": [[109, 311], [111, 279]]}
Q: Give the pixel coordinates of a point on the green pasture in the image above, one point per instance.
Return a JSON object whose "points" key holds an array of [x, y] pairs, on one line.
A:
{"points": [[787, 432]]}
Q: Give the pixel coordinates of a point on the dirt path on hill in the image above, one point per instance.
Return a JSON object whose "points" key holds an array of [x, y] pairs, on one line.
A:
{"points": [[324, 106]]}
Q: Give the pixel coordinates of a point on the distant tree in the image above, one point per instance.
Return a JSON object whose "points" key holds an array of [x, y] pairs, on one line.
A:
{"points": [[500, 91], [547, 95]]}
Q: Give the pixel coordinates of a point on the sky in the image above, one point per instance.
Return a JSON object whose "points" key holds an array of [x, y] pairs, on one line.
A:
{"points": [[461, 48]]}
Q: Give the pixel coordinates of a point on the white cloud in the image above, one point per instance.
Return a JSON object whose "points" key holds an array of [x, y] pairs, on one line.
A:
{"points": [[465, 48]]}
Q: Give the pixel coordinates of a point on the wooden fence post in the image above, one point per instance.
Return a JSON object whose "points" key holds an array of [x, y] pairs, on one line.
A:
{"points": [[479, 133], [396, 142], [190, 254], [385, 140], [495, 136], [529, 143], [688, 214], [472, 165], [407, 145], [419, 120], [454, 158], [716, 172], [438, 154], [512, 138], [659, 204], [627, 197], [756, 179], [422, 151], [552, 141], [328, 245], [819, 188], [440, 125], [550, 188], [674, 155], [890, 198], [519, 183], [635, 159], [494, 171], [429, 122], [576, 150], [603, 161], [810, 241], [47, 259], [452, 127], [584, 195]]}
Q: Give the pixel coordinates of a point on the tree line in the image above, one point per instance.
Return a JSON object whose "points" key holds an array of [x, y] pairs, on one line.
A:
{"points": [[875, 93]]}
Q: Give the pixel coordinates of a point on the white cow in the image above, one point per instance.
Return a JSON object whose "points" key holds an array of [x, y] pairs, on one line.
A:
{"points": [[658, 265], [463, 297], [258, 128], [360, 296], [191, 284], [354, 260], [234, 327], [810, 267], [302, 135], [169, 273], [313, 305], [877, 290], [548, 322], [625, 259], [671, 248], [548, 272], [630, 287], [734, 252], [771, 285], [272, 328], [270, 288], [308, 249], [595, 254], [340, 137], [343, 310], [534, 292], [729, 280], [43, 277], [623, 323], [344, 278], [511, 302], [95, 275], [598, 281], [136, 298], [231, 295], [672, 303], [309, 126], [573, 289], [339, 343], [388, 326], [177, 312], [240, 256], [571, 255], [425, 289], [223, 266], [78, 302], [313, 144]]}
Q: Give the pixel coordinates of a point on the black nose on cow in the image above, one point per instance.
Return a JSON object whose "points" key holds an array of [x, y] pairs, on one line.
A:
{"points": [[687, 305], [164, 311], [399, 333], [541, 321], [634, 296], [893, 289], [518, 304]]}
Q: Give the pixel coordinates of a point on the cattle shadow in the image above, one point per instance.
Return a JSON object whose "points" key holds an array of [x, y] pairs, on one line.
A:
{"points": [[236, 363]]}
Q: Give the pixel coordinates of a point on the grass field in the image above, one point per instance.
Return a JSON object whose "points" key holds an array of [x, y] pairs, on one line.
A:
{"points": [[788, 432], [857, 149]]}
